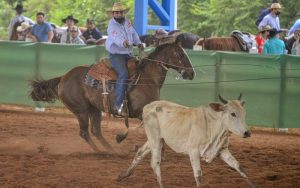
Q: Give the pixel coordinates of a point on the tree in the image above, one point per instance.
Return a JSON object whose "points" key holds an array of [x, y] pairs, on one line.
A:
{"points": [[203, 17]]}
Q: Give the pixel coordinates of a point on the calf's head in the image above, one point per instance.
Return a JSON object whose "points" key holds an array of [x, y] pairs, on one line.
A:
{"points": [[234, 116]]}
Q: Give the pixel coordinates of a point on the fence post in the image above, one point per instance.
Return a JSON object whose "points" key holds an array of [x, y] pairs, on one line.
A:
{"points": [[217, 74], [38, 106], [282, 91]]}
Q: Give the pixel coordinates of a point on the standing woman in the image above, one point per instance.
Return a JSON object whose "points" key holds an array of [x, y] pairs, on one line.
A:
{"points": [[261, 37]]}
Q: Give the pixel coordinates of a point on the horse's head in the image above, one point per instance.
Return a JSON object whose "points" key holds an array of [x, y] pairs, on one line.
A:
{"points": [[174, 56], [14, 35]]}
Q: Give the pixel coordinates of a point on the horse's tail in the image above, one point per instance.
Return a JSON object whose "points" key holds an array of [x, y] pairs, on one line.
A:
{"points": [[44, 90]]}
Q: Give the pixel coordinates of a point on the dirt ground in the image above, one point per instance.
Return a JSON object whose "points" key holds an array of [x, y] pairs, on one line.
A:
{"points": [[45, 150]]}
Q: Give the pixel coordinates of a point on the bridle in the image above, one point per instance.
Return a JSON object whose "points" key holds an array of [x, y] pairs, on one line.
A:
{"points": [[164, 64]]}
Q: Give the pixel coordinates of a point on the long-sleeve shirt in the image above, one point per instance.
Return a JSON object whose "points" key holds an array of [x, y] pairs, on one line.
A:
{"points": [[294, 27], [18, 18], [261, 16], [117, 34], [270, 20], [274, 46]]}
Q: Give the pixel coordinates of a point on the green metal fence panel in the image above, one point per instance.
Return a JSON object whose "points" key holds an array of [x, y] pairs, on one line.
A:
{"points": [[17, 64], [269, 84]]}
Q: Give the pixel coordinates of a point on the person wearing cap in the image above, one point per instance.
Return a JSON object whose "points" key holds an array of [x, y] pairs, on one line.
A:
{"points": [[119, 43], [70, 21], [42, 30], [274, 45], [295, 26], [19, 18], [92, 34], [262, 37], [272, 19], [74, 36]]}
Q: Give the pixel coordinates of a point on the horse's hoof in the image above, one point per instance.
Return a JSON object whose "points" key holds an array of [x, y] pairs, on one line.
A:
{"points": [[84, 135], [120, 138]]}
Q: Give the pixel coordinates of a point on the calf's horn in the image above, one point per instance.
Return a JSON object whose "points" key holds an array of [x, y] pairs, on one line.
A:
{"points": [[223, 100], [240, 97]]}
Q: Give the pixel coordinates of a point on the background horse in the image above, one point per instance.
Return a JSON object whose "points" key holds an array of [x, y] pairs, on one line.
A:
{"points": [[187, 40], [14, 35], [237, 42], [220, 44], [86, 103]]}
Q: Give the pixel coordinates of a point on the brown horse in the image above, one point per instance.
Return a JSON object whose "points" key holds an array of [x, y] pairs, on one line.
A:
{"points": [[86, 103], [220, 44], [14, 35]]}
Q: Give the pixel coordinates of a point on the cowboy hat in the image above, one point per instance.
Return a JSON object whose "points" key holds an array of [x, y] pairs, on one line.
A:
{"points": [[118, 7], [19, 8], [70, 17], [275, 5], [266, 28], [23, 26]]}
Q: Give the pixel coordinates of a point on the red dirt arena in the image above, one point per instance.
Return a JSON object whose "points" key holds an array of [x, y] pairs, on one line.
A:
{"points": [[45, 150]]}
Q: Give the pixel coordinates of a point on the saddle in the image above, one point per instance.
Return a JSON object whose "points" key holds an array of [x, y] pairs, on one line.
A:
{"points": [[102, 75], [103, 69], [243, 38]]}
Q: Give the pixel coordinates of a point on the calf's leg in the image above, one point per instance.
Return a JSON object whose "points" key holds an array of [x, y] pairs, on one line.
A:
{"points": [[195, 162], [156, 160], [232, 162], [139, 156]]}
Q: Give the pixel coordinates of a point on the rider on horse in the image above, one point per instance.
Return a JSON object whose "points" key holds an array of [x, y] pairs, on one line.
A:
{"points": [[121, 38], [19, 18]]}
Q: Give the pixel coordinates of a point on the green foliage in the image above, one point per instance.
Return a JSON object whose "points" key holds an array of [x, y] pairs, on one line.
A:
{"points": [[6, 12], [203, 17]]}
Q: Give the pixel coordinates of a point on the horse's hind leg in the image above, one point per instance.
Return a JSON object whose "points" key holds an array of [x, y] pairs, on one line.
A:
{"points": [[95, 117], [84, 133]]}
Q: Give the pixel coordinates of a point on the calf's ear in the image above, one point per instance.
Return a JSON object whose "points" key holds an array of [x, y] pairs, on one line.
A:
{"points": [[217, 107]]}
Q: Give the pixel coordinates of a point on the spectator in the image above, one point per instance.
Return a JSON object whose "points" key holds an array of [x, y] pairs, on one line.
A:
{"points": [[295, 26], [70, 21], [274, 45], [120, 40], [19, 18], [41, 31], [74, 36], [23, 32], [92, 34], [272, 19], [262, 37]]}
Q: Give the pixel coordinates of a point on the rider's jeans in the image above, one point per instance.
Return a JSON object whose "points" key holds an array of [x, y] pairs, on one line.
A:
{"points": [[119, 63]]}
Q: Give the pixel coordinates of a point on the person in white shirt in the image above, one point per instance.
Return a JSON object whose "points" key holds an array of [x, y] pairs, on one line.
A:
{"points": [[272, 19]]}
